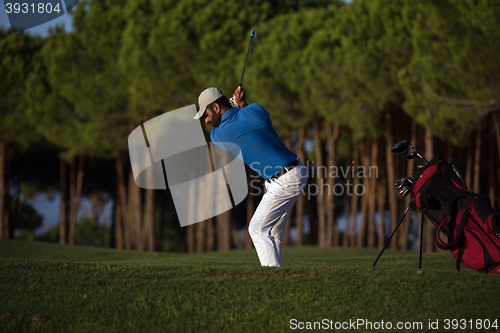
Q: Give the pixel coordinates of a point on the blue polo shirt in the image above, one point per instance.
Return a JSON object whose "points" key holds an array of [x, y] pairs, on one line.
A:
{"points": [[250, 128]]}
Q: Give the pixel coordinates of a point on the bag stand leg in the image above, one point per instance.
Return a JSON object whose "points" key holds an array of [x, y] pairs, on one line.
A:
{"points": [[395, 229], [421, 240]]}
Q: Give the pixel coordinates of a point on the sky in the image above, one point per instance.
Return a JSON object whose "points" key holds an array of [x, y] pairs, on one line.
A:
{"points": [[42, 29]]}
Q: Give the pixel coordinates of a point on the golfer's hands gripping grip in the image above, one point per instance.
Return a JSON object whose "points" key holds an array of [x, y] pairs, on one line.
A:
{"points": [[239, 97]]}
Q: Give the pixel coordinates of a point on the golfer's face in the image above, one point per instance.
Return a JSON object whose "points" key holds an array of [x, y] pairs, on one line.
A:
{"points": [[211, 117]]}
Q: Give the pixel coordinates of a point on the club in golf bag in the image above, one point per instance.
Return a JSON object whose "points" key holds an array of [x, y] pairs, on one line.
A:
{"points": [[403, 146], [404, 185]]}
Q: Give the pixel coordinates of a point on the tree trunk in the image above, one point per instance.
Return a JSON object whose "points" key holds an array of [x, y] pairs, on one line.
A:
{"points": [[149, 228], [139, 230], [76, 183], [14, 214], [63, 210], [391, 177], [348, 198], [497, 132], [332, 225], [429, 229], [372, 196], [8, 232], [200, 236], [468, 167], [491, 171], [497, 136], [4, 225], [72, 191], [118, 219], [319, 173], [210, 235], [223, 231], [122, 198], [450, 153], [364, 198], [476, 186], [381, 200], [131, 240], [429, 144], [190, 238], [300, 203], [354, 197]]}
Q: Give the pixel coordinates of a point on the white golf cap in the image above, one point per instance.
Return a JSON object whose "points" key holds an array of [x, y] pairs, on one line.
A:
{"points": [[207, 97]]}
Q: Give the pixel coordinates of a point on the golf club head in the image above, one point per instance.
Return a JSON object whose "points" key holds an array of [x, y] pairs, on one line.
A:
{"points": [[253, 34], [417, 168], [400, 183], [403, 185], [404, 192], [401, 147], [411, 156]]}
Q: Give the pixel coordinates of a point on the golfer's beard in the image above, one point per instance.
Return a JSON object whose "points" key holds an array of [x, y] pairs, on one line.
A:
{"points": [[215, 120]]}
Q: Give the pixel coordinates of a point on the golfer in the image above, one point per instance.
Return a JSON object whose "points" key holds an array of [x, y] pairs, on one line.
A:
{"points": [[249, 127]]}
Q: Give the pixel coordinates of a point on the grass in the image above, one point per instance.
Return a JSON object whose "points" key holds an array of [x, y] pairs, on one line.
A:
{"points": [[52, 288]]}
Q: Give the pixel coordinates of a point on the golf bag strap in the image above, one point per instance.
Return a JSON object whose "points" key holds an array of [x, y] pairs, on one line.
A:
{"points": [[492, 267], [460, 254], [459, 230]]}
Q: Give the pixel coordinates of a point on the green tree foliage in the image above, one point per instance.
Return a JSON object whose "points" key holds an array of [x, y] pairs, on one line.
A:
{"points": [[77, 96], [16, 54], [279, 73], [336, 62], [453, 78], [355, 60], [50, 111]]}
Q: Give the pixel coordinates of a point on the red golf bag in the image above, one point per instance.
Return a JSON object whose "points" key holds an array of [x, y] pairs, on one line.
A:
{"points": [[470, 225]]}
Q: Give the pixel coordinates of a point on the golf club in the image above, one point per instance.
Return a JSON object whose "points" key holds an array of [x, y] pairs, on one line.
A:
{"points": [[417, 168], [404, 185], [253, 35], [411, 156], [403, 146], [414, 154]]}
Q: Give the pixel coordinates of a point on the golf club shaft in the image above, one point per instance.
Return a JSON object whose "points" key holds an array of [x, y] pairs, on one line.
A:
{"points": [[418, 154], [248, 52], [387, 243]]}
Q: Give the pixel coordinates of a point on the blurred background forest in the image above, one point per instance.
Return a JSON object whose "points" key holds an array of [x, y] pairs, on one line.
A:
{"points": [[342, 81]]}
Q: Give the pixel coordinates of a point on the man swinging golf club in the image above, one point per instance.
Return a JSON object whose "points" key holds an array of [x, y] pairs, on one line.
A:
{"points": [[249, 127]]}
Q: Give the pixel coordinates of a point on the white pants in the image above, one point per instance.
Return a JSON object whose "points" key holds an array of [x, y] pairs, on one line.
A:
{"points": [[268, 223]]}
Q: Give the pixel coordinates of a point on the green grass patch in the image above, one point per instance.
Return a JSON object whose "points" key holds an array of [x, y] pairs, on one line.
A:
{"points": [[53, 288]]}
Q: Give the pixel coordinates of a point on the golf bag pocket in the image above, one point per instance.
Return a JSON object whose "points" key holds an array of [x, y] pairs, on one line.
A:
{"points": [[472, 240]]}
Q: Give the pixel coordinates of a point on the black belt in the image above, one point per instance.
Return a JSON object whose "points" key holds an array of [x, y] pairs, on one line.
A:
{"points": [[285, 170]]}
